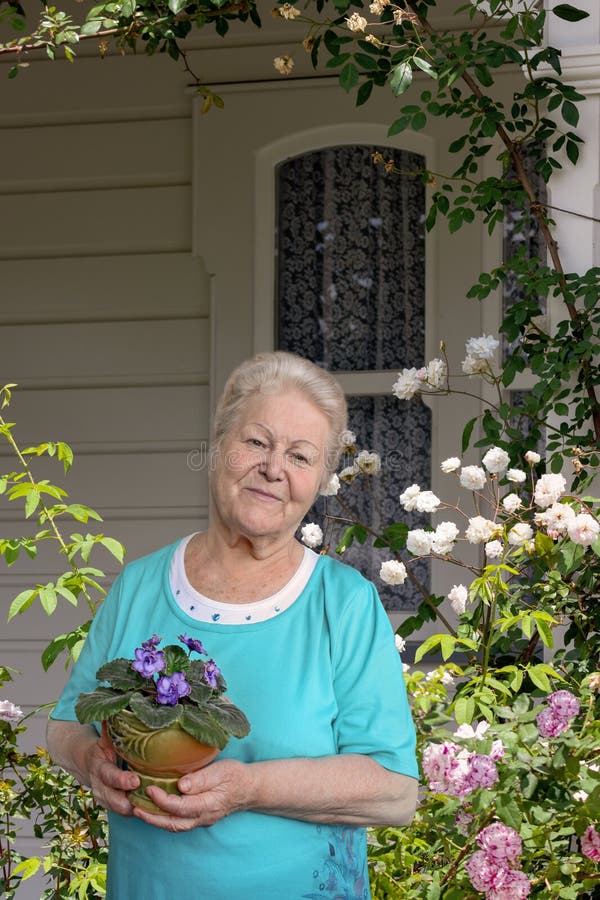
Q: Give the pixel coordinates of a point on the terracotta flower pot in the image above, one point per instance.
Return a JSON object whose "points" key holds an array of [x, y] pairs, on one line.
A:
{"points": [[158, 757]]}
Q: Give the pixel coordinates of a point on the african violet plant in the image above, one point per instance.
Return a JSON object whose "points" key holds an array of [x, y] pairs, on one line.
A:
{"points": [[167, 687]]}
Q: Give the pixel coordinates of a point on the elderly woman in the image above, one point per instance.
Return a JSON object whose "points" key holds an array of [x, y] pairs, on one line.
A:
{"points": [[308, 654]]}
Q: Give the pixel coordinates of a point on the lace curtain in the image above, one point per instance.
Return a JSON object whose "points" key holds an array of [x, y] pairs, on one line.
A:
{"points": [[351, 297]]}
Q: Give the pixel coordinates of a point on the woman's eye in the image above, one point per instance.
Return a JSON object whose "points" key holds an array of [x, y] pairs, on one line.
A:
{"points": [[255, 442], [300, 458]]}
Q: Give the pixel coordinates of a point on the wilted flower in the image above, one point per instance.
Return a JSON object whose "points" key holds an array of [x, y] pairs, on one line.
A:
{"points": [[369, 463], [519, 534], [170, 688], [348, 440], [474, 366], [356, 22], [348, 474], [332, 486], [393, 572], [450, 465], [9, 712], [496, 460], [480, 529], [283, 64], [287, 11], [517, 476], [312, 535], [511, 503], [583, 529], [418, 542], [549, 489], [407, 384], [211, 673], [472, 477], [192, 643], [437, 372], [373, 39], [458, 597], [378, 6]]}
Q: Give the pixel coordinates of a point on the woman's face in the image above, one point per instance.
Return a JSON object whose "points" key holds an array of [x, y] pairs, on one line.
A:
{"points": [[270, 465]]}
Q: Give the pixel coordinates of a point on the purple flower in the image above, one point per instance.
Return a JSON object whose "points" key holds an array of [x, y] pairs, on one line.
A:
{"points": [[192, 643], [550, 724], [564, 703], [148, 661], [152, 643], [170, 688], [211, 673], [502, 843]]}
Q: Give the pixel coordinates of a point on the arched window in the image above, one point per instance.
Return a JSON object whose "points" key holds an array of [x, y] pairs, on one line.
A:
{"points": [[350, 278]]}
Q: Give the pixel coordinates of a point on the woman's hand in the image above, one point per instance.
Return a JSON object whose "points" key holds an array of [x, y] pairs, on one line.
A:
{"points": [[91, 760], [108, 782], [210, 794]]}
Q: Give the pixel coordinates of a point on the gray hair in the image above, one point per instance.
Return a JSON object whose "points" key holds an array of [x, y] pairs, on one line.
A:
{"points": [[273, 373]]}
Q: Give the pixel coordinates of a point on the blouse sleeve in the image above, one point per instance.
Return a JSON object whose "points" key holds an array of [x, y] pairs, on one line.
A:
{"points": [[93, 655], [373, 713]]}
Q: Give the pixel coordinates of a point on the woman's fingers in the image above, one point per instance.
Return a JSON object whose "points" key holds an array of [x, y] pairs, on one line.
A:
{"points": [[109, 783]]}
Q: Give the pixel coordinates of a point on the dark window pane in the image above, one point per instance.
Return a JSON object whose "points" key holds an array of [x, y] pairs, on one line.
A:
{"points": [[351, 259]]}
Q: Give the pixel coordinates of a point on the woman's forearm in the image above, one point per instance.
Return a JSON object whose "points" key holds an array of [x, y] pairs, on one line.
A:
{"points": [[69, 744], [346, 789]]}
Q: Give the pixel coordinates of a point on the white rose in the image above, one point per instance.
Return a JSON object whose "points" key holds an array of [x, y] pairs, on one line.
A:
{"points": [[493, 550], [283, 64], [519, 534], [458, 597], [393, 572], [517, 476], [444, 537], [437, 372], [583, 529], [9, 712], [332, 486], [348, 474], [407, 385], [511, 503], [419, 541], [450, 465], [556, 518], [532, 457], [287, 11], [427, 502], [482, 347], [312, 535], [472, 477], [400, 643], [408, 497], [496, 460], [549, 489], [480, 530], [347, 439], [369, 463]]}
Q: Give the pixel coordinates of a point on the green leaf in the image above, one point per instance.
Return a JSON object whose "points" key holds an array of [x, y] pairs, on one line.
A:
{"points": [[115, 547], [176, 659], [570, 113], [467, 432], [424, 66], [120, 676], [100, 704], [27, 867], [155, 715], [203, 727], [128, 8], [32, 502], [92, 26], [447, 645], [22, 602], [229, 716], [401, 78], [539, 678], [508, 810], [48, 598], [464, 710], [349, 76], [569, 13]]}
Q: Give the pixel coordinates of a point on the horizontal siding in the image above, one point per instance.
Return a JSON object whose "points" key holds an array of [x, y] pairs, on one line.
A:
{"points": [[110, 288], [105, 352], [95, 222]]}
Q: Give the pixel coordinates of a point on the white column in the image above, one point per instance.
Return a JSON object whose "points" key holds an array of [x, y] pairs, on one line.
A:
{"points": [[577, 188]]}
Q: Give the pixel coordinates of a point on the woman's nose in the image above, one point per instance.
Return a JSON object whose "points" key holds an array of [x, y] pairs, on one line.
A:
{"points": [[272, 465]]}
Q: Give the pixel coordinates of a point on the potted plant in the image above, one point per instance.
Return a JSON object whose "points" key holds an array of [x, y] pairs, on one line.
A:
{"points": [[164, 712]]}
